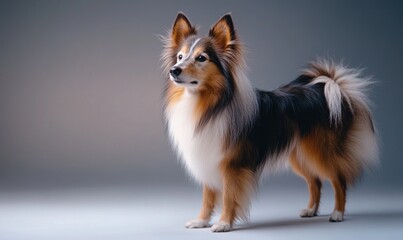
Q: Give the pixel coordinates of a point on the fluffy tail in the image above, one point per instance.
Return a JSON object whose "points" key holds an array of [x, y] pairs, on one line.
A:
{"points": [[346, 84], [340, 83]]}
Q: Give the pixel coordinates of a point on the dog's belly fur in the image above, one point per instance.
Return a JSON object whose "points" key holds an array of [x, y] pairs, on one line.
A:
{"points": [[201, 152]]}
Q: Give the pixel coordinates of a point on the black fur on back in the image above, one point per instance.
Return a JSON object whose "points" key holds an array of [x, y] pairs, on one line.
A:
{"points": [[295, 108]]}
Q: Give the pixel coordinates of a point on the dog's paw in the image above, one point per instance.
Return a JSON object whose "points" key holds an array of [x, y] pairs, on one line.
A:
{"points": [[221, 227], [197, 223], [308, 212], [336, 216]]}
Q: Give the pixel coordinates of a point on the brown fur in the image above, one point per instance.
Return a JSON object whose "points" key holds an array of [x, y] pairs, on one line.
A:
{"points": [[181, 30], [209, 198], [174, 93], [210, 91], [312, 180], [238, 184], [324, 155]]}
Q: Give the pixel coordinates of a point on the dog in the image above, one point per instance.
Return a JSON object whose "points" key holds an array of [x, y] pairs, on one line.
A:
{"points": [[227, 133]]}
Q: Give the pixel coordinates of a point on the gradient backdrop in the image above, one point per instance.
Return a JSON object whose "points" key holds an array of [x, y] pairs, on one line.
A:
{"points": [[81, 83]]}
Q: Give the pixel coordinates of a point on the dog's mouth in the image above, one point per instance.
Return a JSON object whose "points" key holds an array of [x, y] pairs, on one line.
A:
{"points": [[177, 81]]}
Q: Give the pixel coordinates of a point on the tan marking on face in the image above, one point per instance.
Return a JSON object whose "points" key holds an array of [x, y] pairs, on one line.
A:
{"points": [[197, 51], [212, 85], [185, 49]]}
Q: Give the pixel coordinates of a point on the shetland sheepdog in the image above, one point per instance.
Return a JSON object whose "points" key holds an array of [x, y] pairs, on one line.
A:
{"points": [[227, 133]]}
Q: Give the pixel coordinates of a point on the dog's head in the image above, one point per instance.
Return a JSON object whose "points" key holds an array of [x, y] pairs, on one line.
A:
{"points": [[202, 63]]}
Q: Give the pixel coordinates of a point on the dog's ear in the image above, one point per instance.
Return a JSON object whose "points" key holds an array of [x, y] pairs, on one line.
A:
{"points": [[223, 31], [181, 30]]}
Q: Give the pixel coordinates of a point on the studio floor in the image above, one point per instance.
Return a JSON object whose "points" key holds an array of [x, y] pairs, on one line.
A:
{"points": [[158, 212]]}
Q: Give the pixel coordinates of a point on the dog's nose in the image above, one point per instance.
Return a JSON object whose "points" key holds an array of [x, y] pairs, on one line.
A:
{"points": [[175, 71]]}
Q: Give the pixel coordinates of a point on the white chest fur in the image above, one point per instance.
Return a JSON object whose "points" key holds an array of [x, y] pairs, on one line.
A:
{"points": [[201, 152]]}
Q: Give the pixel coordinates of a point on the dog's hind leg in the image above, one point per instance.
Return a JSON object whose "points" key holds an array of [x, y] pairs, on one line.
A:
{"points": [[340, 187], [314, 187]]}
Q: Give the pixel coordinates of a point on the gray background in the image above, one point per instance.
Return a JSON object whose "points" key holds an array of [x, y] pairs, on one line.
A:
{"points": [[81, 84]]}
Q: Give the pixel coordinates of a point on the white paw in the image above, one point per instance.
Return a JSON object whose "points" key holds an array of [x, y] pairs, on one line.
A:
{"points": [[197, 223], [336, 216], [221, 227], [309, 212]]}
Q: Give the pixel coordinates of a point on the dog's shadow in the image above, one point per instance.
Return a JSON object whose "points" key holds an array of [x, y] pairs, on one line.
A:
{"points": [[367, 217]]}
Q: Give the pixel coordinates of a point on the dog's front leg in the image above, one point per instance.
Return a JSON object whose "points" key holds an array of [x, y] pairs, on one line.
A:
{"points": [[202, 221], [237, 186]]}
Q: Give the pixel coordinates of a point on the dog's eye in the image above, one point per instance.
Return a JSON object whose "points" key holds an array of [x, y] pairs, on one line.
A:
{"points": [[180, 56], [201, 58]]}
